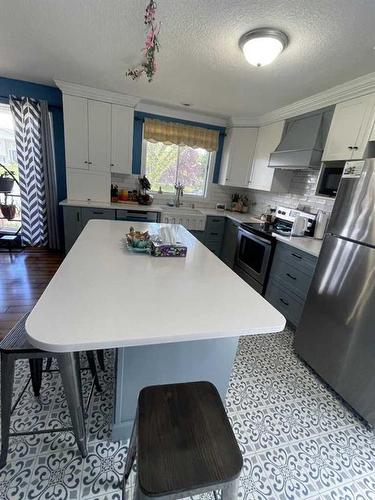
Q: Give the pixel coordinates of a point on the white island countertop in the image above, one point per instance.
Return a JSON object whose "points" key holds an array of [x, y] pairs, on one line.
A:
{"points": [[104, 296]]}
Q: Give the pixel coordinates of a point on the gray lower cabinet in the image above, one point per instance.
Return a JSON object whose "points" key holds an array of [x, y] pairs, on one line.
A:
{"points": [[214, 233], [229, 246], [200, 235], [97, 213], [290, 277], [75, 219], [72, 225]]}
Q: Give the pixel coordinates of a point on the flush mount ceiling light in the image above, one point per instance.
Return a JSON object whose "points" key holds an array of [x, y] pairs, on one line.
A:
{"points": [[262, 45]]}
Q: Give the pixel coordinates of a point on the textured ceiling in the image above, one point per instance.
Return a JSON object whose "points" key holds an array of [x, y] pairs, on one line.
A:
{"points": [[93, 42]]}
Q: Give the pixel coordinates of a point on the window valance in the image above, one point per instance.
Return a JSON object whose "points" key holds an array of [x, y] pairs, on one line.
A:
{"points": [[180, 134]]}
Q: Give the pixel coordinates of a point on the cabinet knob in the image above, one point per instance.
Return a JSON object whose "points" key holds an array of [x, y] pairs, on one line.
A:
{"points": [[112, 164]]}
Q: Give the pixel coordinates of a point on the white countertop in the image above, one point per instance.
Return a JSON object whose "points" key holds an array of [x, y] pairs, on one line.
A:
{"points": [[105, 296], [308, 245], [114, 206], [236, 216]]}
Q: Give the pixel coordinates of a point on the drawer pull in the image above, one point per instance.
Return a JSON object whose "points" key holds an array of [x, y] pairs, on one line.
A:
{"points": [[296, 256], [284, 301], [98, 213], [291, 277], [214, 234]]}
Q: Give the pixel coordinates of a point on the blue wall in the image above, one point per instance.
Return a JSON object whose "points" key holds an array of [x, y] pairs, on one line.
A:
{"points": [[53, 96]]}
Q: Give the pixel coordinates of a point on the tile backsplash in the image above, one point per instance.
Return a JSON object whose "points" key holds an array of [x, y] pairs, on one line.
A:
{"points": [[215, 193], [301, 193]]}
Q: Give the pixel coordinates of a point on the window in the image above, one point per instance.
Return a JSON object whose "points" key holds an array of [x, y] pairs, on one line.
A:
{"points": [[167, 164], [8, 157]]}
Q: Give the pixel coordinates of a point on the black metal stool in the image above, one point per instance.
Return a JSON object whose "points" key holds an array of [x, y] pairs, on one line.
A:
{"points": [[184, 444], [16, 346]]}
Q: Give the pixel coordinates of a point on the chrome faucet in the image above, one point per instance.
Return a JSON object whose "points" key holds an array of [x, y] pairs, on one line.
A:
{"points": [[179, 193]]}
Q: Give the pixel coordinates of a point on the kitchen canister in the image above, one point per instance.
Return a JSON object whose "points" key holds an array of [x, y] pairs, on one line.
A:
{"points": [[321, 222]]}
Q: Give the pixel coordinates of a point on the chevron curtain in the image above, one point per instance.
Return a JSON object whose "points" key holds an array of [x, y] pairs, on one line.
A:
{"points": [[27, 118]]}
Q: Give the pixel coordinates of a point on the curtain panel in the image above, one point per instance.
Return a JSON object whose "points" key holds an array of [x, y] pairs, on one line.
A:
{"points": [[50, 181], [180, 134], [27, 119]]}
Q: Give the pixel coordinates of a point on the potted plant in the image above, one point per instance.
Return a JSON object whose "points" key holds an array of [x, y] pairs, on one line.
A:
{"points": [[6, 183], [144, 198], [8, 210]]}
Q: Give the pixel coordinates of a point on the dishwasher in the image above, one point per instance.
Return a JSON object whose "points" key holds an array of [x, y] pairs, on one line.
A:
{"points": [[137, 215]]}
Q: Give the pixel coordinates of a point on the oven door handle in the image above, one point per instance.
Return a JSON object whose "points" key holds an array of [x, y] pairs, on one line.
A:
{"points": [[253, 236]]}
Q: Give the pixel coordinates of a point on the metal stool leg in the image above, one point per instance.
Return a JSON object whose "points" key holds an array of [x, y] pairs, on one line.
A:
{"points": [[130, 457], [7, 378], [71, 378], [48, 364], [100, 355], [36, 367], [94, 373], [230, 490]]}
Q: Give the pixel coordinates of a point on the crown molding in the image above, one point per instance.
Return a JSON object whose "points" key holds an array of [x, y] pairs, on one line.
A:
{"points": [[181, 113], [343, 92], [97, 94]]}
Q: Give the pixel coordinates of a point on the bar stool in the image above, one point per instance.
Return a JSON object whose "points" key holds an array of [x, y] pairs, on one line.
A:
{"points": [[16, 346], [184, 444]]}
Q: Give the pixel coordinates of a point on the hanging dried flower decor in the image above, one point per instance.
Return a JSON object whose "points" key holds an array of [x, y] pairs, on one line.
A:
{"points": [[152, 46]]}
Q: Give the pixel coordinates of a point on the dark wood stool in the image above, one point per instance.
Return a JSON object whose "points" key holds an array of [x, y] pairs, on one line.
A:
{"points": [[16, 346], [184, 444]]}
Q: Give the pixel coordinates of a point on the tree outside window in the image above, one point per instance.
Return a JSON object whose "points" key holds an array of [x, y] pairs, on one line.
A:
{"points": [[168, 164]]}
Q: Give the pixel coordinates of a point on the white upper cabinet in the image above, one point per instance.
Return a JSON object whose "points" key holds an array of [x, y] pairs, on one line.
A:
{"points": [[76, 132], [262, 177], [238, 152], [350, 129], [99, 135], [122, 139]]}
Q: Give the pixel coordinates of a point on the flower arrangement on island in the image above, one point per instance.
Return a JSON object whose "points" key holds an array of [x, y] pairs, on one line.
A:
{"points": [[148, 66]]}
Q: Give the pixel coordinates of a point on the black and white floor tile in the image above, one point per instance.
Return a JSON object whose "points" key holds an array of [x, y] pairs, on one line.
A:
{"points": [[298, 439]]}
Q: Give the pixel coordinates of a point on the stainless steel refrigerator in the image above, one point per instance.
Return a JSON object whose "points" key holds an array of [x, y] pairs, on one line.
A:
{"points": [[336, 335]]}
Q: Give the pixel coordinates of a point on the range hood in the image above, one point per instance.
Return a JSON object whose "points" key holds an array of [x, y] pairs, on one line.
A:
{"points": [[303, 141]]}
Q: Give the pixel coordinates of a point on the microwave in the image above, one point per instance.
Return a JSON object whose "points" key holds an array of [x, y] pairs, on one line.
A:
{"points": [[329, 179]]}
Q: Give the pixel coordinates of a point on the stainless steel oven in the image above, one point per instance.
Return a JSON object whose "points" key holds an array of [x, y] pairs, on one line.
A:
{"points": [[253, 258]]}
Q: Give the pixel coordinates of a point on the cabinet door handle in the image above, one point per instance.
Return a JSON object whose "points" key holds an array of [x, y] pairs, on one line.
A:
{"points": [[350, 147], [355, 147], [297, 256], [85, 161], [290, 276], [77, 216], [284, 301], [89, 162]]}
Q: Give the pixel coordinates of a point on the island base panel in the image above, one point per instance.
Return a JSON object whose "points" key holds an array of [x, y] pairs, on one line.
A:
{"points": [[141, 366]]}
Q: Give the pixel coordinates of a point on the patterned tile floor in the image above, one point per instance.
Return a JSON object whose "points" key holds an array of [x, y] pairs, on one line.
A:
{"points": [[298, 439]]}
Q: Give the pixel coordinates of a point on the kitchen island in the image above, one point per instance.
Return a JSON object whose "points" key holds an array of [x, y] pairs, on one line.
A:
{"points": [[171, 319]]}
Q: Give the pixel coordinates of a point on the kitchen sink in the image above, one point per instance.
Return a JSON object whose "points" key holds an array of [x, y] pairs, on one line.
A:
{"points": [[191, 218], [182, 210]]}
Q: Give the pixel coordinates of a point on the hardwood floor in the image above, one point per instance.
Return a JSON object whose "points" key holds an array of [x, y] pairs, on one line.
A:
{"points": [[23, 278]]}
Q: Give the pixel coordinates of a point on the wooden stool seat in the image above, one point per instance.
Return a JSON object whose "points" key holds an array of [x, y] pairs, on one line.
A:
{"points": [[185, 443]]}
